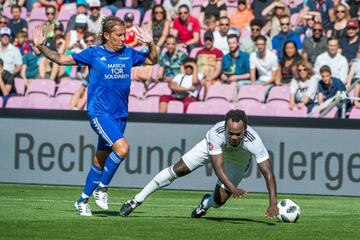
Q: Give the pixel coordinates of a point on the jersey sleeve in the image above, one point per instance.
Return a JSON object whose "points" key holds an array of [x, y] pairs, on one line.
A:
{"points": [[256, 146], [214, 141], [85, 57], [138, 58]]}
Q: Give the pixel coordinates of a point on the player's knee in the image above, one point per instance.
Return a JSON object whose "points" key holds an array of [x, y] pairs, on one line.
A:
{"points": [[121, 147]]}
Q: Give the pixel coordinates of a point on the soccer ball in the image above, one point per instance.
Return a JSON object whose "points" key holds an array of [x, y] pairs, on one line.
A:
{"points": [[289, 211]]}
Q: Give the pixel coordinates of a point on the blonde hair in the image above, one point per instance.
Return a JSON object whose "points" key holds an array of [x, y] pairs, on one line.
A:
{"points": [[347, 15]]}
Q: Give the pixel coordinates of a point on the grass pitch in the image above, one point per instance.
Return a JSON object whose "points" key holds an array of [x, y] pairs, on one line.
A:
{"points": [[47, 212]]}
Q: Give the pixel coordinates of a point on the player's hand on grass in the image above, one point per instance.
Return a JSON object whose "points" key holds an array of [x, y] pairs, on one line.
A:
{"points": [[272, 211], [239, 192], [39, 35], [143, 36]]}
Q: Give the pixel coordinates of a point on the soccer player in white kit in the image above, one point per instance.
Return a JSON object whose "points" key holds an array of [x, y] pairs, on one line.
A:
{"points": [[229, 146]]}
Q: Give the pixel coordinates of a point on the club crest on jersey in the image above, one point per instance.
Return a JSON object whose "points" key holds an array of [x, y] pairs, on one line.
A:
{"points": [[211, 146]]}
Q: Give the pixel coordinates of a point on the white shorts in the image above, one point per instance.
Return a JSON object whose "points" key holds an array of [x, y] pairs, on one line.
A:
{"points": [[199, 156]]}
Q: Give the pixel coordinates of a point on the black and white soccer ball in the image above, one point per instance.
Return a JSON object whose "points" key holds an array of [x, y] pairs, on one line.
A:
{"points": [[289, 211]]}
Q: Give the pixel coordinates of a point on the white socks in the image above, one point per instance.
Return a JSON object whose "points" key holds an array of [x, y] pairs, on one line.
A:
{"points": [[209, 202]]}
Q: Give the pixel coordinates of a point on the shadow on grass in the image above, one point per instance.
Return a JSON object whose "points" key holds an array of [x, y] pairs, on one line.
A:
{"points": [[237, 220]]}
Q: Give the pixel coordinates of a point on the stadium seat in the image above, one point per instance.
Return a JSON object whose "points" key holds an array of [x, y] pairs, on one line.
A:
{"points": [[64, 100], [196, 3], [153, 102], [106, 12], [222, 91], [18, 102], [137, 15], [158, 89], [42, 86], [175, 106], [19, 86], [137, 89], [246, 104], [37, 13], [43, 102], [138, 105], [244, 33], [195, 11], [355, 113], [68, 87], [253, 92], [261, 110], [147, 17], [287, 112], [279, 93], [7, 12], [198, 108], [194, 52], [278, 104], [331, 114], [65, 15], [219, 106], [230, 11]]}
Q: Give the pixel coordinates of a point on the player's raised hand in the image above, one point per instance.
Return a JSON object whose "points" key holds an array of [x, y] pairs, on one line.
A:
{"points": [[272, 211], [239, 192], [142, 35], [39, 35]]}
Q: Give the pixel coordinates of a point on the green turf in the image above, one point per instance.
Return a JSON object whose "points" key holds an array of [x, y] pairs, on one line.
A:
{"points": [[47, 212]]}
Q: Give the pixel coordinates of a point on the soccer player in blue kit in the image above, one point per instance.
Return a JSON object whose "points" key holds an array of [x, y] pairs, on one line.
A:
{"points": [[110, 65]]}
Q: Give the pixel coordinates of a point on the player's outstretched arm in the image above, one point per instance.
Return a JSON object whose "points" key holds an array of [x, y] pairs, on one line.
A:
{"points": [[266, 171], [59, 58], [217, 162], [146, 38]]}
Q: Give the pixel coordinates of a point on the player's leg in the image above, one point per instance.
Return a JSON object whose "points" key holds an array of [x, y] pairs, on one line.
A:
{"points": [[193, 159]]}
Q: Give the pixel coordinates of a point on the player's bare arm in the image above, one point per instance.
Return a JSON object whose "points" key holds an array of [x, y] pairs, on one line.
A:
{"points": [[146, 38], [59, 58], [217, 162], [266, 171]]}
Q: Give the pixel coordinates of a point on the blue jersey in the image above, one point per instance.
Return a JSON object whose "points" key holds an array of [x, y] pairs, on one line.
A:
{"points": [[109, 78]]}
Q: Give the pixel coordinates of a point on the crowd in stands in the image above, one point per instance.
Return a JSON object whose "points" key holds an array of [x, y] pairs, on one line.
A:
{"points": [[278, 57]]}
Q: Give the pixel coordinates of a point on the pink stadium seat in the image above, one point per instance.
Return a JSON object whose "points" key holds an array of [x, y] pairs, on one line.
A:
{"points": [[43, 102], [355, 113], [64, 100], [155, 69], [158, 89], [219, 106], [7, 12], [147, 17], [18, 102], [138, 105], [286, 112], [223, 91], [153, 102], [137, 15], [19, 86], [262, 110], [194, 52], [230, 11], [65, 15], [38, 13], [198, 108], [279, 104], [175, 107], [244, 33], [106, 12], [279, 93], [42, 86], [68, 87], [196, 3], [331, 114], [254, 92], [137, 89], [230, 4], [248, 104], [195, 12]]}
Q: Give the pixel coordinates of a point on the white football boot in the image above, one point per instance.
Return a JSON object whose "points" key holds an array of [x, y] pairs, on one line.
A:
{"points": [[83, 208], [101, 199]]}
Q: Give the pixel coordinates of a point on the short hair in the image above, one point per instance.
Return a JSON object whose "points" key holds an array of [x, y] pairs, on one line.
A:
{"points": [[50, 7], [324, 69], [184, 6], [331, 39], [89, 34], [15, 6], [233, 35], [224, 17], [256, 22], [21, 33], [189, 60], [260, 37], [170, 36], [236, 115], [210, 17], [1, 62], [284, 16]]}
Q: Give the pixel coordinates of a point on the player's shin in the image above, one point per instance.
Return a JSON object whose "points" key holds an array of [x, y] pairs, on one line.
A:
{"points": [[162, 179], [210, 202], [92, 182], [112, 163]]}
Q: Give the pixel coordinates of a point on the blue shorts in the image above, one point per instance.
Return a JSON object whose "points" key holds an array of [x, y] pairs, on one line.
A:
{"points": [[108, 129]]}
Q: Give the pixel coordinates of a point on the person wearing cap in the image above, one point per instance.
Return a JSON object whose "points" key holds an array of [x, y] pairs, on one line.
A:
{"points": [[349, 44], [242, 16], [130, 37], [81, 8], [95, 16], [16, 24], [209, 61], [75, 38], [9, 53], [110, 64]]}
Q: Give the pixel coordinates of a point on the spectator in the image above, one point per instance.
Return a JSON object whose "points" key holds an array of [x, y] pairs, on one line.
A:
{"points": [[337, 62], [95, 17], [142, 5], [186, 29], [130, 37], [212, 7], [22, 43], [10, 55], [290, 57], [264, 62], [16, 24], [172, 7], [285, 34], [81, 8], [50, 42], [74, 39], [326, 9], [7, 86], [274, 12], [315, 45], [357, 95], [51, 14], [57, 4], [258, 7], [159, 26], [220, 36], [170, 61], [30, 67], [354, 73], [329, 87], [248, 43], [354, 7], [184, 86], [209, 61], [349, 45], [3, 21], [338, 28], [210, 23], [303, 86], [242, 16], [235, 65], [307, 25]]}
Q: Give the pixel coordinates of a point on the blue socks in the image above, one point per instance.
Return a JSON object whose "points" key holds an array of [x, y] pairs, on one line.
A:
{"points": [[111, 165], [92, 182]]}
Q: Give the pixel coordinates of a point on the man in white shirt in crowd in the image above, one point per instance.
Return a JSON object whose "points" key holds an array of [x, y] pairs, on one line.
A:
{"points": [[95, 17], [172, 7], [332, 57], [9, 53], [220, 36]]}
